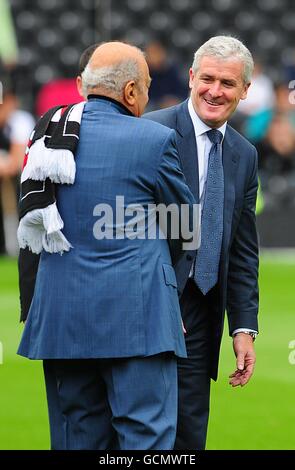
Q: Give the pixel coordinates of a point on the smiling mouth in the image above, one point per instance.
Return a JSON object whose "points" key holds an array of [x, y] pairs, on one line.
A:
{"points": [[211, 103]]}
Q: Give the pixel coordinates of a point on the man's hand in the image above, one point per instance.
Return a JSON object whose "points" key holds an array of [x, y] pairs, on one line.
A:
{"points": [[246, 358]]}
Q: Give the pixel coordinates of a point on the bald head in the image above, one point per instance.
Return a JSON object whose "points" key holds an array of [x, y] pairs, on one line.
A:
{"points": [[113, 53], [119, 71]]}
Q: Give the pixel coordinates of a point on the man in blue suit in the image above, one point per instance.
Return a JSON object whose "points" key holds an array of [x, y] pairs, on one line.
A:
{"points": [[105, 316], [220, 167]]}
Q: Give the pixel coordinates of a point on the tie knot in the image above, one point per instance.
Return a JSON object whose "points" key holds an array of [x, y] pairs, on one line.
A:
{"points": [[215, 136]]}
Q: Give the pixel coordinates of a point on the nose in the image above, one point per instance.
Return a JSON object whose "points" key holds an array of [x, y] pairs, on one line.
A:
{"points": [[215, 90]]}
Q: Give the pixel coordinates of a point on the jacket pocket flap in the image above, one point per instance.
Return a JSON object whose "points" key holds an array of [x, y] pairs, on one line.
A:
{"points": [[169, 275]]}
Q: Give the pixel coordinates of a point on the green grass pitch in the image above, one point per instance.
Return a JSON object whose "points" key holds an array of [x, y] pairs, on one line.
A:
{"points": [[258, 416]]}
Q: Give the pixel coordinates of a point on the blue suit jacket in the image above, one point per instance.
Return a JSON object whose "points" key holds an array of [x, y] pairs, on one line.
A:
{"points": [[238, 270], [110, 297]]}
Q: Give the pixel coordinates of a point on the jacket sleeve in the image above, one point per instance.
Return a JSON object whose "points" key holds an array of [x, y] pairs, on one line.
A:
{"points": [[171, 188], [242, 287]]}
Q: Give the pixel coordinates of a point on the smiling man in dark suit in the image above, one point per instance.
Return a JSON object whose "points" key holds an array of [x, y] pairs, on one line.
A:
{"points": [[220, 167]]}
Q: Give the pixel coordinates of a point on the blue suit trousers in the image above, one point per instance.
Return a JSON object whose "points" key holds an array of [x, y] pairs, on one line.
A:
{"points": [[100, 404]]}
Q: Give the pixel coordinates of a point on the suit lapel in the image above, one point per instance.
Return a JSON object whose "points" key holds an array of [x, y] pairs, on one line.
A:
{"points": [[230, 164], [187, 148]]}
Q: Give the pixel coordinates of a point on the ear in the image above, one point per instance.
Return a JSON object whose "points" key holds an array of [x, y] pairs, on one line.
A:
{"points": [[191, 78], [245, 91], [130, 93], [79, 85]]}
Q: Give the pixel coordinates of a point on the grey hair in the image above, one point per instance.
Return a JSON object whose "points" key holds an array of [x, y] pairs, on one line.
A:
{"points": [[225, 48], [112, 78]]}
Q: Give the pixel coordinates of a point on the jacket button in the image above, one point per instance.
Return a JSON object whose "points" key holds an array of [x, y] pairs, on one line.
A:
{"points": [[189, 257]]}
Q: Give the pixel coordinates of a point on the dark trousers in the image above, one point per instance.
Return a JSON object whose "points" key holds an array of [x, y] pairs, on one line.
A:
{"points": [[125, 404], [194, 372]]}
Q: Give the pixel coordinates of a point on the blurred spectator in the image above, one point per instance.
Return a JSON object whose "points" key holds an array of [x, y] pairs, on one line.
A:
{"points": [[277, 149], [277, 161], [260, 95], [15, 129], [59, 91], [283, 104], [167, 87], [8, 44], [253, 114], [257, 125], [64, 90], [289, 67]]}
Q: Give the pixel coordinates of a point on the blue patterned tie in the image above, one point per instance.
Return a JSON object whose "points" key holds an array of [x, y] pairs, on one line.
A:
{"points": [[207, 260]]}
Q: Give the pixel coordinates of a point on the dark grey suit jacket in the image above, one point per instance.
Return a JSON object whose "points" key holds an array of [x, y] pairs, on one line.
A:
{"points": [[237, 289]]}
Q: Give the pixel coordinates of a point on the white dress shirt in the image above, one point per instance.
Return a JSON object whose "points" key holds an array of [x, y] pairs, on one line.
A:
{"points": [[203, 146]]}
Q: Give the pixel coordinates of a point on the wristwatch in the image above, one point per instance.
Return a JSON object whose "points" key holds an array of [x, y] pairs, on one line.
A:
{"points": [[253, 334]]}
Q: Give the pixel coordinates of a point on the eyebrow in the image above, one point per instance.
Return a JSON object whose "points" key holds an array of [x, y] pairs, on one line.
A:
{"points": [[206, 75], [230, 81]]}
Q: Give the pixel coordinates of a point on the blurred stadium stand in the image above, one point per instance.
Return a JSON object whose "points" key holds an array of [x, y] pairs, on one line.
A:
{"points": [[51, 35]]}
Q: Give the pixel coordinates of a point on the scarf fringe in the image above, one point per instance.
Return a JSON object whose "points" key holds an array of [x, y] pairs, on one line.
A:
{"points": [[41, 229], [56, 164]]}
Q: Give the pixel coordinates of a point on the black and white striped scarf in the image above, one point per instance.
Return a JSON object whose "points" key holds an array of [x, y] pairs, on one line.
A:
{"points": [[49, 160]]}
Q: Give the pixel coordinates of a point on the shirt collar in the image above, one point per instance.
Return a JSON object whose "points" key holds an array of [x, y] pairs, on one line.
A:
{"points": [[199, 126]]}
